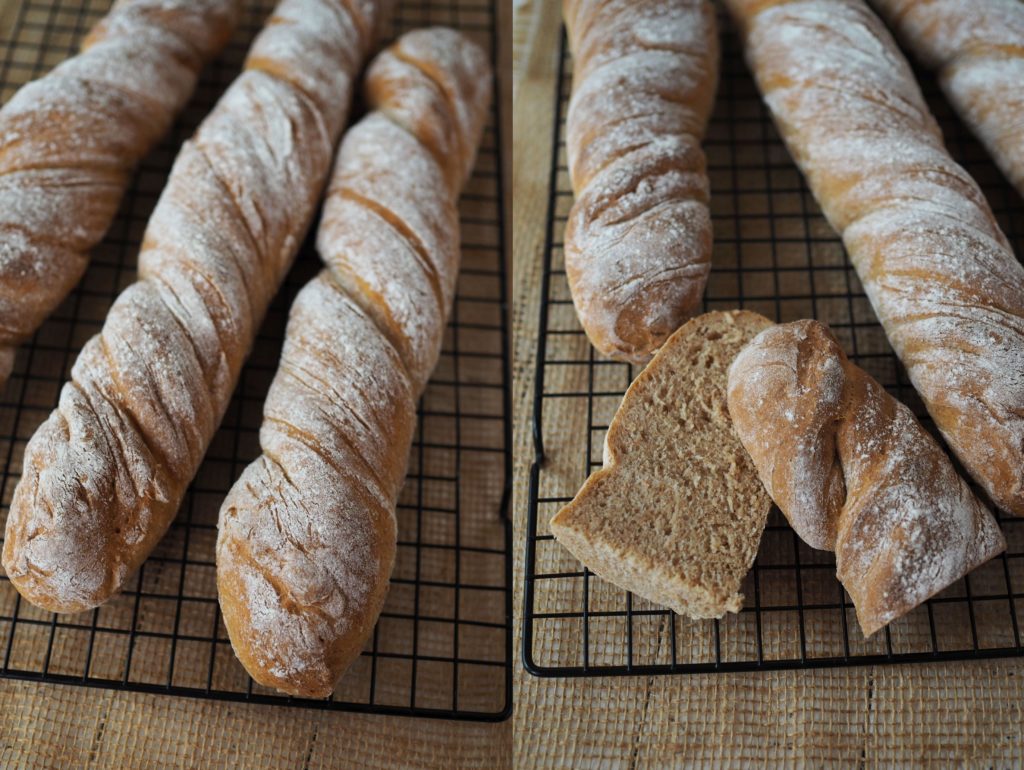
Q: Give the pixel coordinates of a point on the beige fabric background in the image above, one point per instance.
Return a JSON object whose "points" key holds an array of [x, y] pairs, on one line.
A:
{"points": [[50, 726], [965, 714]]}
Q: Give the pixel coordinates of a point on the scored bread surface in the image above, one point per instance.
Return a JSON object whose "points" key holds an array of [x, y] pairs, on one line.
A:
{"points": [[677, 511], [938, 271], [638, 238], [70, 141], [307, 535], [977, 51], [854, 472], [104, 475]]}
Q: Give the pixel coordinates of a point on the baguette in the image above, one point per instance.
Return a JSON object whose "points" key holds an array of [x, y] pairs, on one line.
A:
{"points": [[638, 238], [70, 141], [934, 264], [977, 49], [308, 532], [677, 512], [855, 473], [104, 475]]}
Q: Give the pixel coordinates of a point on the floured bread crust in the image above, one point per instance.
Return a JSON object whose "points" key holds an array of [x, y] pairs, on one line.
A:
{"points": [[937, 269], [855, 473], [307, 534], [638, 238], [977, 50], [70, 141], [105, 474]]}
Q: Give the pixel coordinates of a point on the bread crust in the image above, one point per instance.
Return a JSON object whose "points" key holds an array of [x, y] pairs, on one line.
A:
{"points": [[308, 533], [638, 238], [104, 475], [933, 262], [977, 50], [70, 141], [855, 473]]}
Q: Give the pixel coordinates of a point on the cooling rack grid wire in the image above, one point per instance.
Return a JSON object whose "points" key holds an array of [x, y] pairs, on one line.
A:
{"points": [[443, 645], [774, 254]]}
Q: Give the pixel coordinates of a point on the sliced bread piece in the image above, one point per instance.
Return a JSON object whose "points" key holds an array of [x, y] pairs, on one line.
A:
{"points": [[677, 511]]}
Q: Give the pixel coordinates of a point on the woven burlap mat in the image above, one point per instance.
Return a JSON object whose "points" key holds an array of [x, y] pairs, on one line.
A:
{"points": [[53, 726], [955, 714]]}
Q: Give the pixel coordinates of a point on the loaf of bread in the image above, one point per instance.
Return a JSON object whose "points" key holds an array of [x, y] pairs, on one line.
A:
{"points": [[103, 476], [934, 264], [677, 511], [308, 533], [70, 141], [977, 49], [638, 238], [855, 473]]}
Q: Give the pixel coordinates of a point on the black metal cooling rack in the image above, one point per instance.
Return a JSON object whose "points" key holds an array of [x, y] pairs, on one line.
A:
{"points": [[443, 645], [775, 254]]}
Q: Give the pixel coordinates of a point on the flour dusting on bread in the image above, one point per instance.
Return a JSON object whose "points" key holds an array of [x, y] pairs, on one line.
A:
{"points": [[104, 475], [70, 141], [638, 238], [938, 271], [855, 473]]}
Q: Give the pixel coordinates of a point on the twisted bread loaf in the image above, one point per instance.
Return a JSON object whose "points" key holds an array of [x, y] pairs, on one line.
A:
{"points": [[855, 473], [70, 141], [933, 262], [104, 475], [638, 238], [307, 534], [978, 50]]}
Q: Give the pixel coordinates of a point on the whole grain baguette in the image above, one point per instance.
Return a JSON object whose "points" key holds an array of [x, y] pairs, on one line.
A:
{"points": [[308, 532], [855, 473], [105, 473], [977, 50], [677, 511], [70, 141], [936, 267], [638, 238]]}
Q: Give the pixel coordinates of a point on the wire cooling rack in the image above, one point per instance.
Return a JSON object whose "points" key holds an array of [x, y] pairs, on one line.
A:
{"points": [[775, 254], [442, 647]]}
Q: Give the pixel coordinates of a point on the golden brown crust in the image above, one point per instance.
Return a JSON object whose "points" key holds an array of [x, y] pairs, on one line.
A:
{"points": [[70, 141], [855, 473], [937, 269], [977, 48], [638, 238], [307, 534], [105, 474]]}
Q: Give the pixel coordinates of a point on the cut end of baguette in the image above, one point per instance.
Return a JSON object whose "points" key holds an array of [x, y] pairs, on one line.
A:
{"points": [[677, 512]]}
